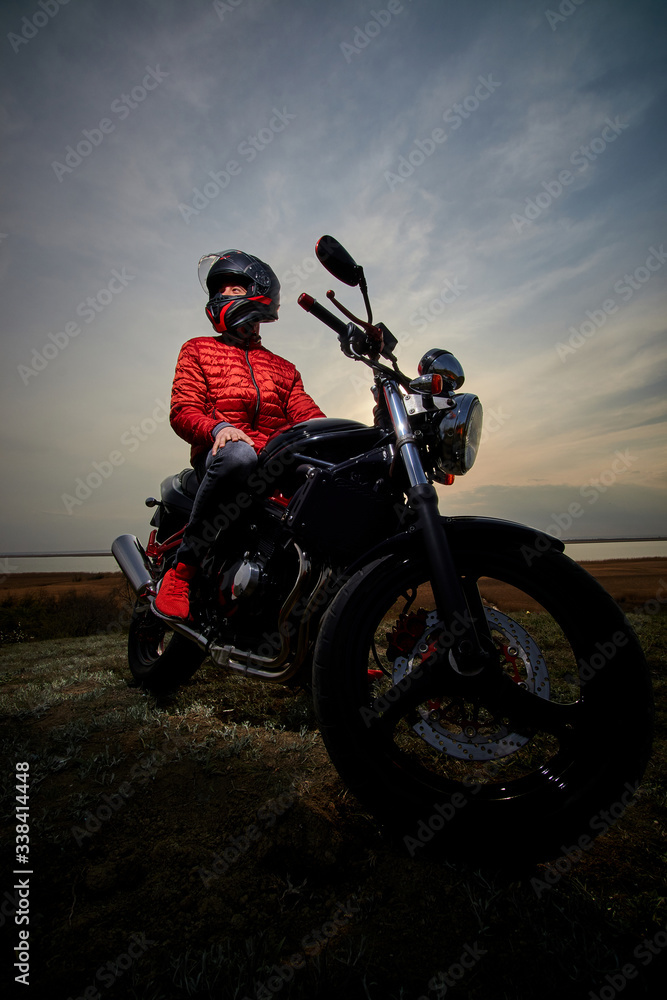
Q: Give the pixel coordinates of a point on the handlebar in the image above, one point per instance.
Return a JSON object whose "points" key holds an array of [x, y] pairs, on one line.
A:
{"points": [[311, 305], [355, 342]]}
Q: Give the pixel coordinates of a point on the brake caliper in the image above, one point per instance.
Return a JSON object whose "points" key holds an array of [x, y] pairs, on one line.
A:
{"points": [[403, 636], [509, 656]]}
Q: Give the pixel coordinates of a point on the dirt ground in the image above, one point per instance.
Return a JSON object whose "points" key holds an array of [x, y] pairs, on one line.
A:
{"points": [[56, 584], [631, 582], [206, 847]]}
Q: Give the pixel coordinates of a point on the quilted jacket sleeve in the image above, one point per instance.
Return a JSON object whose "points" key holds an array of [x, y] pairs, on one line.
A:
{"points": [[192, 412], [300, 406]]}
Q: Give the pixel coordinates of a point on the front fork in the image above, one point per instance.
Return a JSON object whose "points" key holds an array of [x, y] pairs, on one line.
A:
{"points": [[460, 610]]}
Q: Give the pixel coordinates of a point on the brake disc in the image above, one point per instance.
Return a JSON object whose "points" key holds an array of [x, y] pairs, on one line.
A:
{"points": [[457, 727]]}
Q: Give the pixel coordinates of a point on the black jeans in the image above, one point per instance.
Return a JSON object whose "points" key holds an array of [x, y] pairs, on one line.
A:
{"points": [[222, 498]]}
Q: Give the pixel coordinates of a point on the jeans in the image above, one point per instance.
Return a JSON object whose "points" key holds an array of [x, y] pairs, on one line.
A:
{"points": [[221, 498]]}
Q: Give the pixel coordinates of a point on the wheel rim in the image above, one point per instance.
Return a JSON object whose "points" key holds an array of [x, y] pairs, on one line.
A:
{"points": [[465, 743], [449, 727]]}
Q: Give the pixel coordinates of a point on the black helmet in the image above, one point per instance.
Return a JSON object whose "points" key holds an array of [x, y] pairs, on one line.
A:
{"points": [[239, 313]]}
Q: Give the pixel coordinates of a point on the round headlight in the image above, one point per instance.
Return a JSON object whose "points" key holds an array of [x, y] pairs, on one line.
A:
{"points": [[459, 431]]}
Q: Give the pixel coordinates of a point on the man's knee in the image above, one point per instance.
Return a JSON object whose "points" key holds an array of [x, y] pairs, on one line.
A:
{"points": [[236, 459], [243, 457]]}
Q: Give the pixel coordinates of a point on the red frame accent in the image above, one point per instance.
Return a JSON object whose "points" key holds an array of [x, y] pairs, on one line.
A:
{"points": [[157, 550], [279, 498]]}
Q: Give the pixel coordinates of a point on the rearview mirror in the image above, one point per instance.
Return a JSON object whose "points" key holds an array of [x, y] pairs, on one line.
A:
{"points": [[337, 260]]}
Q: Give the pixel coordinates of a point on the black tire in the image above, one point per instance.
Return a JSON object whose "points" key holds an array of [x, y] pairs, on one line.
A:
{"points": [[160, 660], [465, 783]]}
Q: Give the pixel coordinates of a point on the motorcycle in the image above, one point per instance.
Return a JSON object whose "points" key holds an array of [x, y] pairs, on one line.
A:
{"points": [[474, 687]]}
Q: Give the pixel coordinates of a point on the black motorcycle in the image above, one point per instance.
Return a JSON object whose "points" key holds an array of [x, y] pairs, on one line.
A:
{"points": [[474, 687]]}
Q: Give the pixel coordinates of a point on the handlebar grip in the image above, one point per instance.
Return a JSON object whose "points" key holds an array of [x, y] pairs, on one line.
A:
{"points": [[311, 305]]}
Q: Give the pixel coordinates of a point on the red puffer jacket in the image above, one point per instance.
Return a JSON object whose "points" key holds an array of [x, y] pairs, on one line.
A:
{"points": [[253, 389]]}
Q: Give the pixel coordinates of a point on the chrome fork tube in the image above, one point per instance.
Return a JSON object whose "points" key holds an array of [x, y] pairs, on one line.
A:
{"points": [[405, 440], [422, 498]]}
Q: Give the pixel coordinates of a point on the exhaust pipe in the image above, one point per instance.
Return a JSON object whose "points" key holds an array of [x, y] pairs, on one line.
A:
{"points": [[128, 552]]}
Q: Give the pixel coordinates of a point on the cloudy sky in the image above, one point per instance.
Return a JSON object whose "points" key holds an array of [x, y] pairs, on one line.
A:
{"points": [[497, 167]]}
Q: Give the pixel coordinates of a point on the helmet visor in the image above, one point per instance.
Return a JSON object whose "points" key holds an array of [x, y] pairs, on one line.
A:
{"points": [[205, 264]]}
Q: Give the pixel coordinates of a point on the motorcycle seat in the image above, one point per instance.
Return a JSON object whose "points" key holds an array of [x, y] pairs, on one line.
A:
{"points": [[180, 490], [189, 482]]}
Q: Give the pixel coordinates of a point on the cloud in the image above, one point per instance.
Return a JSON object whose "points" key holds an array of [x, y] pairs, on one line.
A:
{"points": [[446, 225]]}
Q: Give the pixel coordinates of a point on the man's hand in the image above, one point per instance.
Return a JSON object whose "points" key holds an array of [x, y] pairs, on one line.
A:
{"points": [[229, 434]]}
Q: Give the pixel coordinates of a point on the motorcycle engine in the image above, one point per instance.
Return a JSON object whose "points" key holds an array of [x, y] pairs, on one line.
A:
{"points": [[247, 579], [249, 575], [242, 578]]}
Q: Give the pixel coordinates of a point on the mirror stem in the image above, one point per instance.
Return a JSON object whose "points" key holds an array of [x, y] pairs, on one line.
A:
{"points": [[364, 292]]}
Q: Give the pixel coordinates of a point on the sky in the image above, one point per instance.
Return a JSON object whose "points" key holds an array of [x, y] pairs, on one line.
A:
{"points": [[498, 168]]}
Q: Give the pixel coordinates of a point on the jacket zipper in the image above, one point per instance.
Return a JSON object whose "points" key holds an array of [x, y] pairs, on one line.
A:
{"points": [[252, 376]]}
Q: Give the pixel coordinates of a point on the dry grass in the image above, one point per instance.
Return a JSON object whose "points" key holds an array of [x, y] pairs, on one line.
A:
{"points": [[227, 753]]}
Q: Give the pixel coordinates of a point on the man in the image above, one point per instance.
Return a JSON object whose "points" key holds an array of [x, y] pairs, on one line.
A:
{"points": [[230, 395]]}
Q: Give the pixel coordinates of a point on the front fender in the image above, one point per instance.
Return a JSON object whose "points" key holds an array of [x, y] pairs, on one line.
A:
{"points": [[477, 534]]}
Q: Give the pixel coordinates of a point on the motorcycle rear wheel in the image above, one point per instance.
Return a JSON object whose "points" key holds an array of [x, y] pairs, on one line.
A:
{"points": [[449, 773], [160, 660]]}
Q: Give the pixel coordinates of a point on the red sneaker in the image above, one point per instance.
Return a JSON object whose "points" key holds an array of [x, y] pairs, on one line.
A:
{"points": [[173, 596]]}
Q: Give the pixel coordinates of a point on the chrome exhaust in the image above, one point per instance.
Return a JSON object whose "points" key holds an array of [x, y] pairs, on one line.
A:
{"points": [[128, 552]]}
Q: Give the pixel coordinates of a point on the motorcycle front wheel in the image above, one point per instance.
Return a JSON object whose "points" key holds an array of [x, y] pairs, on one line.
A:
{"points": [[452, 772]]}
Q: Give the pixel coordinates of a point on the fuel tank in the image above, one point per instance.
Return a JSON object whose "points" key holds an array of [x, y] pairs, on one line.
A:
{"points": [[325, 439]]}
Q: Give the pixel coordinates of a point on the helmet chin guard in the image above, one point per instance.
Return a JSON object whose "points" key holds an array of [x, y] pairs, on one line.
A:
{"points": [[229, 313]]}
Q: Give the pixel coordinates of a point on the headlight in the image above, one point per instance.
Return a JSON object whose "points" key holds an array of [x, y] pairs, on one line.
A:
{"points": [[458, 433], [440, 362]]}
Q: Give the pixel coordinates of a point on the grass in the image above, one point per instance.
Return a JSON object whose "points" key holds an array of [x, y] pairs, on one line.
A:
{"points": [[31, 617], [203, 767]]}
